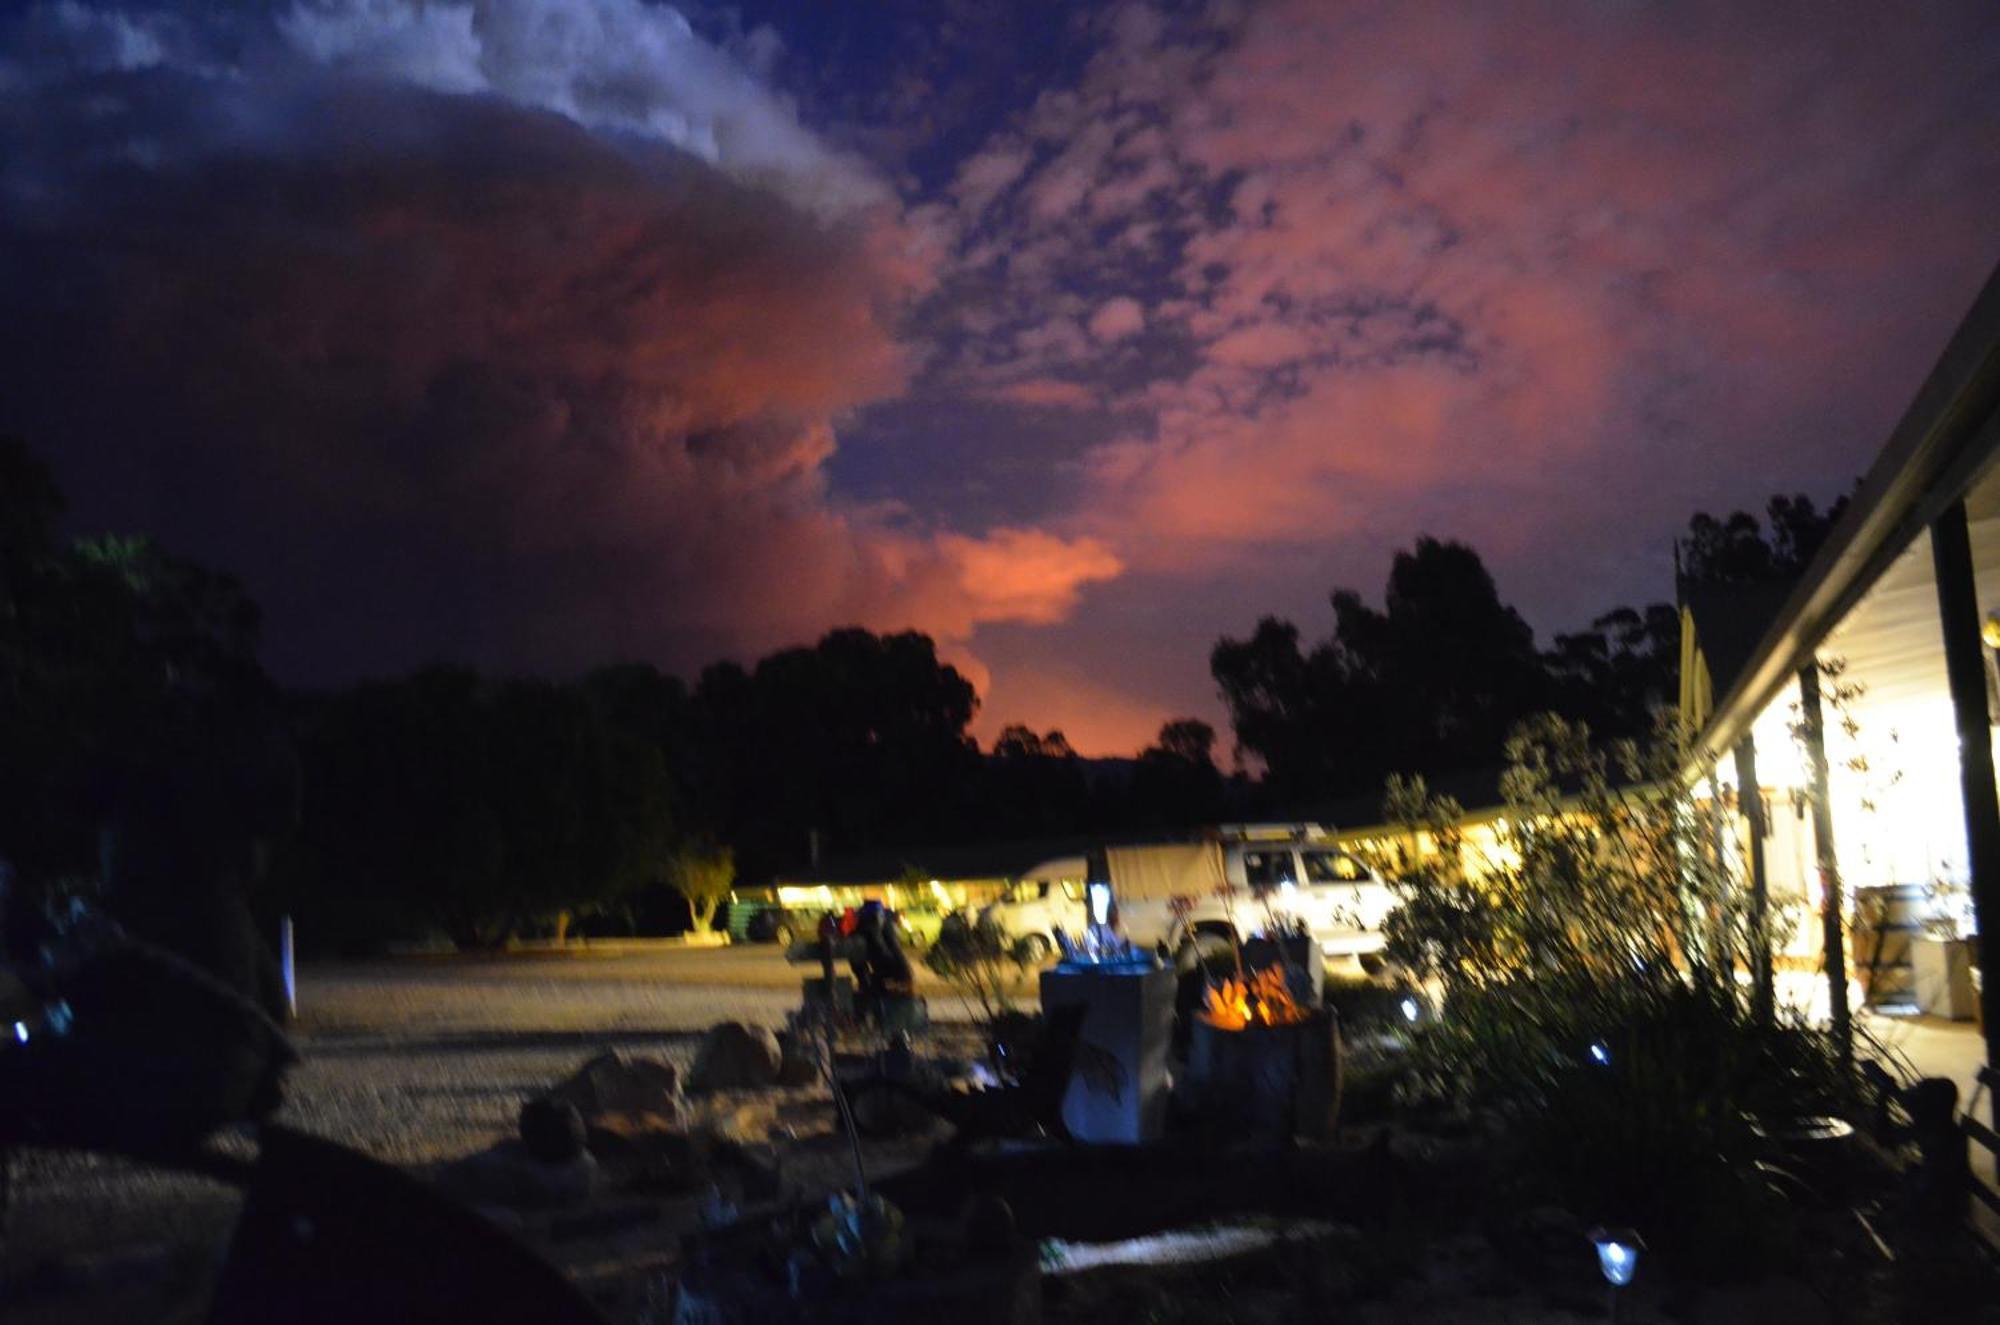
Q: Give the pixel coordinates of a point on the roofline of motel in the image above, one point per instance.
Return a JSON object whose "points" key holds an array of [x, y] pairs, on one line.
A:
{"points": [[1946, 437]]}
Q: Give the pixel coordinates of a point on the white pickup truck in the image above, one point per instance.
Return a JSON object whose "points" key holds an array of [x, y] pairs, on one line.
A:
{"points": [[1292, 872]]}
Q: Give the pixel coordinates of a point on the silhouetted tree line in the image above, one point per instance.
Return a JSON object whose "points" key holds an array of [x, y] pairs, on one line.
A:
{"points": [[491, 808], [149, 759], [1434, 680]]}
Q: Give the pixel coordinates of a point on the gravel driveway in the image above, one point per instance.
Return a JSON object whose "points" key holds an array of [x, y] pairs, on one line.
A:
{"points": [[420, 1059]]}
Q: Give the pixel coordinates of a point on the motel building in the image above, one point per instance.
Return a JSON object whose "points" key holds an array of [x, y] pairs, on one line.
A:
{"points": [[1861, 704]]}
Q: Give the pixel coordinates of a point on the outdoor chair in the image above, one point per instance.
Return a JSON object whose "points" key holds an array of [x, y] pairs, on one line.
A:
{"points": [[1031, 1107]]}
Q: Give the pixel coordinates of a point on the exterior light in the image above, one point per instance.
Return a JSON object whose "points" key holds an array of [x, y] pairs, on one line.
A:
{"points": [[1410, 1009], [1617, 1254], [21, 1031], [1989, 630], [1603, 1057], [1100, 903]]}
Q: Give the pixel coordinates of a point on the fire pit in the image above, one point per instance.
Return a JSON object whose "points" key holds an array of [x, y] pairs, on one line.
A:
{"points": [[1262, 1068]]}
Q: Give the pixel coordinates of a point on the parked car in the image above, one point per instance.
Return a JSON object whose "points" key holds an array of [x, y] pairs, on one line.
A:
{"points": [[1300, 873], [1034, 909], [916, 928]]}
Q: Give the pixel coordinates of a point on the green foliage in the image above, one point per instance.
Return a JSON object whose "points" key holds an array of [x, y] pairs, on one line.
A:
{"points": [[1653, 1102], [1365, 1005], [1591, 999], [981, 961], [129, 683], [1603, 870], [703, 873]]}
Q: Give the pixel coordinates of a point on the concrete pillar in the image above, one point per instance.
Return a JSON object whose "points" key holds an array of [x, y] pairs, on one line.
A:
{"points": [[1965, 668], [1750, 795], [1833, 933]]}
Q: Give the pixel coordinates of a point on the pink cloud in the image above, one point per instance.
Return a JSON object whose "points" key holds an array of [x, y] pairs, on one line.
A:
{"points": [[1117, 318], [1048, 392], [1496, 272]]}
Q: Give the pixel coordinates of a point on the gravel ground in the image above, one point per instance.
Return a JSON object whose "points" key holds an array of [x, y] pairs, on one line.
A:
{"points": [[419, 1060]]}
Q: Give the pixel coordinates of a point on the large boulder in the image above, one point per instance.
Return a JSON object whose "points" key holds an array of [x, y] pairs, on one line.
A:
{"points": [[646, 1151], [734, 1056], [618, 1082], [551, 1130], [799, 1058]]}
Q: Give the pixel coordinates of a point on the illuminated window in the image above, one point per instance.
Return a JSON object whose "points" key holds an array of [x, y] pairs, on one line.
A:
{"points": [[1332, 867], [1268, 869]]}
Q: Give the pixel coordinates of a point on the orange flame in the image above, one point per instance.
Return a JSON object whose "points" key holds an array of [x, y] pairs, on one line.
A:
{"points": [[1264, 1000]]}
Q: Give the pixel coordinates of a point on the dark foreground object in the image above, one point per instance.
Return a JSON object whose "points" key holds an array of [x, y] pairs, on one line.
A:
{"points": [[330, 1236], [942, 1289], [1108, 1193]]}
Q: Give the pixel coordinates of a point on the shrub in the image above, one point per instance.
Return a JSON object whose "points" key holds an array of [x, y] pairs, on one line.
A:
{"points": [[1366, 1005], [1592, 1000], [981, 961]]}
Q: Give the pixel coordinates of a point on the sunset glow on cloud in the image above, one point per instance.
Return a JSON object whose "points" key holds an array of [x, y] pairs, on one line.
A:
{"points": [[538, 334]]}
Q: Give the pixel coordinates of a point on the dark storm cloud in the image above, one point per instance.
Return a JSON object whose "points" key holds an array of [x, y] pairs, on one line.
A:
{"points": [[457, 344]]}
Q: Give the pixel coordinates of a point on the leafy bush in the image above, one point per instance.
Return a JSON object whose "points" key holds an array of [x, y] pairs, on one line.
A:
{"points": [[1658, 1103], [981, 961], [1592, 1000], [1367, 1005], [1603, 867]]}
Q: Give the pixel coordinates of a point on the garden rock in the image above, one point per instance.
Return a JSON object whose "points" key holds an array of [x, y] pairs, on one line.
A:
{"points": [[617, 1082], [742, 1121], [798, 1059], [646, 1148], [507, 1175], [734, 1056], [551, 1130]]}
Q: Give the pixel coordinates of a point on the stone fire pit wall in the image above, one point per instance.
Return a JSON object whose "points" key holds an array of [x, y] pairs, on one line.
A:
{"points": [[1265, 1085], [1118, 1089]]}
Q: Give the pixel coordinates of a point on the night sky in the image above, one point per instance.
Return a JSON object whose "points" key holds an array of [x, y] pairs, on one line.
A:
{"points": [[538, 334]]}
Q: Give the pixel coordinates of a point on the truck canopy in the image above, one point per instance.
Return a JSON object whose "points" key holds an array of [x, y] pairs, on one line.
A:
{"points": [[1155, 873]]}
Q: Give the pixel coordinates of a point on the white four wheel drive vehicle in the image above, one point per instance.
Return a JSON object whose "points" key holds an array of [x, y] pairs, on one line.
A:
{"points": [[1034, 908], [1288, 871]]}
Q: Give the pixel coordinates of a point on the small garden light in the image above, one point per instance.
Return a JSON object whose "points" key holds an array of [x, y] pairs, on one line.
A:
{"points": [[1618, 1257], [1602, 1057], [1410, 1009], [21, 1031]]}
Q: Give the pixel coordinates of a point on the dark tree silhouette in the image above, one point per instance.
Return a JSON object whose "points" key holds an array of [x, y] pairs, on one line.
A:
{"points": [[1614, 675], [1737, 550], [860, 739], [476, 808], [1031, 786], [1433, 680], [143, 756], [1176, 782]]}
